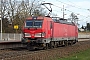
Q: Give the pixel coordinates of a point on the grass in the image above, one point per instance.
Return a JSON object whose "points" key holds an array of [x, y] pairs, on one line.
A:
{"points": [[84, 55]]}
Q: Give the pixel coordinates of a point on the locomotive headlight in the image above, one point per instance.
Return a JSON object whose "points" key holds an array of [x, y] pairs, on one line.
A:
{"points": [[27, 35], [39, 34]]}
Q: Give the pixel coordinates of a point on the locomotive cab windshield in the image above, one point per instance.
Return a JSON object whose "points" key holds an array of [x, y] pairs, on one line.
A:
{"points": [[33, 23]]}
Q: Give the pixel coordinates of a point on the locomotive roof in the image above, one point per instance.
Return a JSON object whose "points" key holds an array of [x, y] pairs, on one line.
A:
{"points": [[40, 17], [63, 21], [35, 17], [55, 19]]}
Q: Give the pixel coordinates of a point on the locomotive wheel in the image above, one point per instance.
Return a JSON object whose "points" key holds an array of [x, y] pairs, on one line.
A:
{"points": [[71, 42], [66, 43], [55, 44], [74, 41], [29, 47], [46, 46], [51, 45]]}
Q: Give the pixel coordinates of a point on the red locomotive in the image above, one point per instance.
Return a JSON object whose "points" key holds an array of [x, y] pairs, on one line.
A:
{"points": [[47, 32]]}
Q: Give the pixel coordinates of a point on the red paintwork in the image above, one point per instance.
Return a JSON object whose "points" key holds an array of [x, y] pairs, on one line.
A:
{"points": [[57, 31], [64, 30]]}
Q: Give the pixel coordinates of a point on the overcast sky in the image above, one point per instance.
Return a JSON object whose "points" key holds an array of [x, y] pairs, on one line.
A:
{"points": [[79, 7]]}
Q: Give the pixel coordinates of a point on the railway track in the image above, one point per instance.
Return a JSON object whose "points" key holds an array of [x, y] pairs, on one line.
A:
{"points": [[24, 54], [15, 53]]}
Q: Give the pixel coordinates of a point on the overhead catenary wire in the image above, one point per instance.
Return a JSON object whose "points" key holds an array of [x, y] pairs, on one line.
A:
{"points": [[77, 5], [68, 10], [61, 8], [72, 5]]}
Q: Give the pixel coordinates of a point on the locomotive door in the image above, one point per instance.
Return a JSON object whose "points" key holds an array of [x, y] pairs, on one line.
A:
{"points": [[51, 29], [76, 32]]}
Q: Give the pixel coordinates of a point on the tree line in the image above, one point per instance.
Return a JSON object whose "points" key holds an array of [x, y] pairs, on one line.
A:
{"points": [[87, 27], [14, 13]]}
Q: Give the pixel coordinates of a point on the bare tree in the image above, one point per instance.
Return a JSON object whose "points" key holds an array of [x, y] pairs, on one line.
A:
{"points": [[9, 8], [4, 8], [16, 11], [73, 18]]}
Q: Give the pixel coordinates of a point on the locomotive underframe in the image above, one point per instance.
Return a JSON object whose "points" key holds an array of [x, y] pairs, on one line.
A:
{"points": [[48, 43]]}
